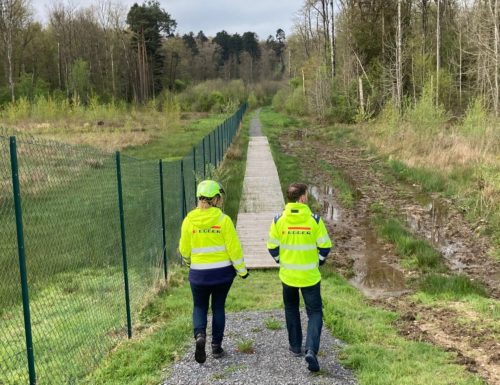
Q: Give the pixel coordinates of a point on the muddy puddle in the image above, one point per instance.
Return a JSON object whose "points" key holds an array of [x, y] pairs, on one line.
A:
{"points": [[432, 219], [373, 275]]}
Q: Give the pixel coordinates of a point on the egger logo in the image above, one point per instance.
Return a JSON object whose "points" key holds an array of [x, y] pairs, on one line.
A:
{"points": [[298, 231]]}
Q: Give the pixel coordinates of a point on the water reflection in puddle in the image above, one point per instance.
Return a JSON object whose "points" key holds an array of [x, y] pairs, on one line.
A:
{"points": [[373, 276], [431, 221], [438, 213], [325, 197]]}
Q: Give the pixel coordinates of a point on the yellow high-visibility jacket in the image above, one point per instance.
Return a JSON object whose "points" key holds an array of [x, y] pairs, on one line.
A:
{"points": [[298, 241], [210, 246]]}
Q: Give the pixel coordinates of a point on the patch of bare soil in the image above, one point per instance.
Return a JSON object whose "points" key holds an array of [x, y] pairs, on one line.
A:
{"points": [[374, 266], [475, 343]]}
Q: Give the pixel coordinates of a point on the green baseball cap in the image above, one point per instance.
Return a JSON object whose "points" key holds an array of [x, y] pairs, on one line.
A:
{"points": [[208, 189]]}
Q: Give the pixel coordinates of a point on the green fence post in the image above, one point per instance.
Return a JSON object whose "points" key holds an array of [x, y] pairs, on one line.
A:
{"points": [[124, 243], [204, 160], [194, 169], [210, 148], [163, 227], [183, 184], [226, 134], [221, 154], [216, 145], [22, 260]]}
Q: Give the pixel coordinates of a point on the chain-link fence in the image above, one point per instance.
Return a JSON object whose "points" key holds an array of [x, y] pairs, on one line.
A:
{"points": [[85, 239]]}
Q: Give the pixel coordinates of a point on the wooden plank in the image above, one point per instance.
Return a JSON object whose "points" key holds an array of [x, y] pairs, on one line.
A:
{"points": [[261, 200]]}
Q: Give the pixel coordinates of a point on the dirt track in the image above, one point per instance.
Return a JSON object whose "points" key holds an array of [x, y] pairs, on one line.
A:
{"points": [[375, 266]]}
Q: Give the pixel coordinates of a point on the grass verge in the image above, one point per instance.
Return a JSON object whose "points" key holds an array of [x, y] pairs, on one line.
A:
{"points": [[232, 170], [273, 126], [375, 350], [177, 142]]}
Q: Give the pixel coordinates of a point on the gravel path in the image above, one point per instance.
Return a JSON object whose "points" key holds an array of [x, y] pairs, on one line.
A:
{"points": [[270, 363]]}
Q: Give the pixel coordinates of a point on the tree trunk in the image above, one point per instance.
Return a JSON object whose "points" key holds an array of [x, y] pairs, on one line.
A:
{"points": [[438, 49], [496, 41], [361, 96], [332, 40], [303, 83], [113, 81], [11, 70], [399, 66]]}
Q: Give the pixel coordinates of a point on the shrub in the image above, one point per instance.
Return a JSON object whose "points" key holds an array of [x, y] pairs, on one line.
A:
{"points": [[295, 103], [475, 122], [425, 117], [280, 98]]}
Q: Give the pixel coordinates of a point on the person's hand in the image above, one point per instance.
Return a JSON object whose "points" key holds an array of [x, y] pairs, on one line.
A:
{"points": [[322, 262], [245, 276]]}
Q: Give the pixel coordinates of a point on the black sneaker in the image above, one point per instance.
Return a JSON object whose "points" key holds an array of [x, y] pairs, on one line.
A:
{"points": [[296, 352], [312, 361], [217, 351], [199, 354]]}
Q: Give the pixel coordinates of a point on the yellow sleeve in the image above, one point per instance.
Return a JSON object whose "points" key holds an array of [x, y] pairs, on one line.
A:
{"points": [[273, 237], [323, 240], [185, 241], [233, 246], [273, 242]]}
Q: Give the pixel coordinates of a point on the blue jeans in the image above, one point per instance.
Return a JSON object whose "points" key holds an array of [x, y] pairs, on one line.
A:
{"points": [[201, 298], [314, 309]]}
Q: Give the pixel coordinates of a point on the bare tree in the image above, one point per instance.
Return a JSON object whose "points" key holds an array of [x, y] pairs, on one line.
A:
{"points": [[332, 40], [494, 15], [399, 61], [15, 15], [438, 48]]}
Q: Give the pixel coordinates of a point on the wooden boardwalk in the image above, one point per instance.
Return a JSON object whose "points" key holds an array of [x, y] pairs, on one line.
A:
{"points": [[261, 200]]}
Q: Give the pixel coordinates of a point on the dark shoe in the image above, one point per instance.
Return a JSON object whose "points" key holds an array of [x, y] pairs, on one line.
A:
{"points": [[312, 361], [217, 351], [199, 354], [297, 352]]}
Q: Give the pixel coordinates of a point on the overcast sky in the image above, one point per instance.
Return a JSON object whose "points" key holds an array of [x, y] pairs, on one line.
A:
{"points": [[211, 16]]}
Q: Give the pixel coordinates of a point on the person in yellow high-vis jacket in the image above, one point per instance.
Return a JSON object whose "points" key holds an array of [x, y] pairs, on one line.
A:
{"points": [[210, 246], [299, 242]]}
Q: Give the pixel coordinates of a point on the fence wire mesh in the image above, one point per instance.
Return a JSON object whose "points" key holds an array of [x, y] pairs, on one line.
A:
{"points": [[72, 236]]}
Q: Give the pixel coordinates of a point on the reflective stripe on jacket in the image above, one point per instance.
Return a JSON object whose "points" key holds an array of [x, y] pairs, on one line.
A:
{"points": [[298, 240], [210, 246]]}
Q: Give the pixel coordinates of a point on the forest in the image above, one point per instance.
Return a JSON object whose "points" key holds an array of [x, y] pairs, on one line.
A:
{"points": [[348, 58]]}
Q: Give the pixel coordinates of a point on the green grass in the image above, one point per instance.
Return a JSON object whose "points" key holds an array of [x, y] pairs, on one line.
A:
{"points": [[273, 324], [375, 351], [463, 185], [273, 126], [82, 316], [74, 258], [430, 181], [232, 171], [172, 145], [418, 253], [245, 346], [141, 360], [346, 195], [450, 287]]}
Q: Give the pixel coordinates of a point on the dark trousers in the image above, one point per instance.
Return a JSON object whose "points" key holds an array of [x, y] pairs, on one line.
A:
{"points": [[314, 309], [201, 299]]}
